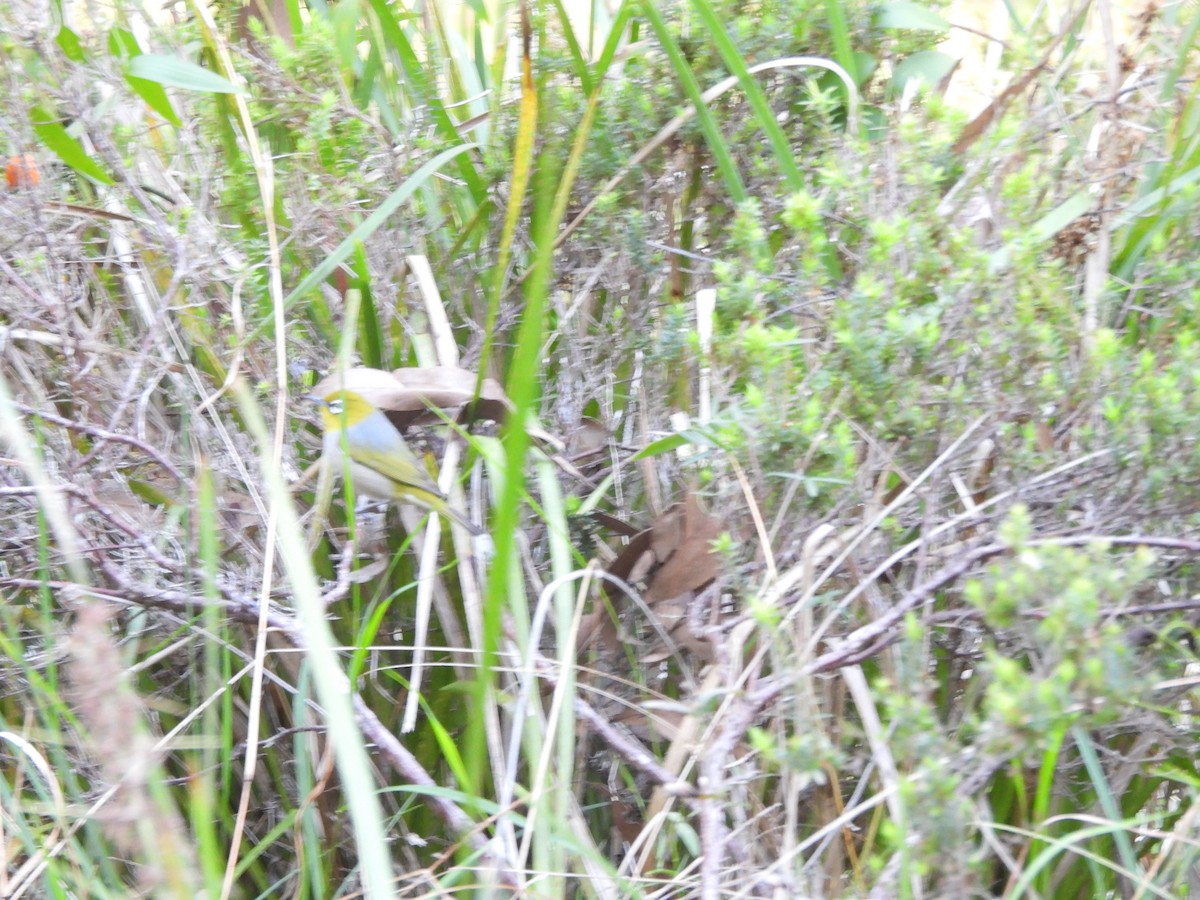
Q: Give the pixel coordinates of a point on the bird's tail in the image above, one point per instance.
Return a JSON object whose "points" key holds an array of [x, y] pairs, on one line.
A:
{"points": [[444, 508]]}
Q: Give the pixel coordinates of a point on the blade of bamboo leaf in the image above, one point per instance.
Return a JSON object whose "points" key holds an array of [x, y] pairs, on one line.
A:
{"points": [[180, 73], [72, 48], [584, 129], [419, 84], [121, 42], [522, 166], [54, 135], [577, 57], [154, 96], [754, 93], [366, 228], [687, 79], [839, 31], [370, 342]]}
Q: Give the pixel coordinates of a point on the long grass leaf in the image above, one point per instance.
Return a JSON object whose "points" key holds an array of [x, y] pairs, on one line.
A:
{"points": [[423, 92], [839, 31], [754, 93], [584, 130], [372, 223], [522, 161], [687, 80], [522, 165], [332, 685]]}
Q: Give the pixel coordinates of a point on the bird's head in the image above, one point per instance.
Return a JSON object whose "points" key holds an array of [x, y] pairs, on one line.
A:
{"points": [[341, 409]]}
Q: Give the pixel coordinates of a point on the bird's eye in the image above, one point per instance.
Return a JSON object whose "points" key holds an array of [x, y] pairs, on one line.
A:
{"points": [[335, 406]]}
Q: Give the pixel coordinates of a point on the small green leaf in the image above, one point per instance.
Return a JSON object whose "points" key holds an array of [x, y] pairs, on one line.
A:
{"points": [[671, 442], [370, 333], [68, 41], [865, 64], [1048, 225], [151, 494], [913, 16], [53, 134], [175, 72], [1063, 215], [154, 95], [927, 66], [123, 43]]}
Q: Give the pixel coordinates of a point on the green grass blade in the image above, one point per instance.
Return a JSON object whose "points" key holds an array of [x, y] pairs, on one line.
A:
{"points": [[687, 80], [754, 93], [376, 220]]}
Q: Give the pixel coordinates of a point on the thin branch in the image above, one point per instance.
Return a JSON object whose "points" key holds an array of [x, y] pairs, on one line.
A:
{"points": [[103, 434]]}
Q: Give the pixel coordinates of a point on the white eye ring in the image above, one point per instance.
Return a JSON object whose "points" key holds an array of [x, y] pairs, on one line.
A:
{"points": [[334, 406]]}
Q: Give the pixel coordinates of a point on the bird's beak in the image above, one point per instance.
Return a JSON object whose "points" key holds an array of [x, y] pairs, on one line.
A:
{"points": [[307, 404]]}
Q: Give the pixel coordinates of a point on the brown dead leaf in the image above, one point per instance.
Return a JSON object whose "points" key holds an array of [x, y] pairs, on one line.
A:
{"points": [[672, 555], [614, 524], [589, 438], [674, 558], [451, 388], [422, 396], [681, 540], [629, 561], [430, 394]]}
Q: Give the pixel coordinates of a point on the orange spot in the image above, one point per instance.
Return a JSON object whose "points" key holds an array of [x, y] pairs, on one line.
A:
{"points": [[21, 171]]}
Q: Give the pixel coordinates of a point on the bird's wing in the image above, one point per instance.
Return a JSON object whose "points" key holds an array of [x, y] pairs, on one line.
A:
{"points": [[402, 468]]}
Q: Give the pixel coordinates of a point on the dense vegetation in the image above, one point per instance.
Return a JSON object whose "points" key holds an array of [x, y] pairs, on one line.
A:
{"points": [[866, 565]]}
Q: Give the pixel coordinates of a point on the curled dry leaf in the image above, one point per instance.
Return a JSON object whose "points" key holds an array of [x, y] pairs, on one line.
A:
{"points": [[415, 396], [589, 439], [674, 553], [673, 562], [427, 395], [674, 558], [450, 388]]}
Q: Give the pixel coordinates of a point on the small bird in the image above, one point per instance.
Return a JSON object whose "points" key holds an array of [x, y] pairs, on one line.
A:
{"points": [[381, 464]]}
